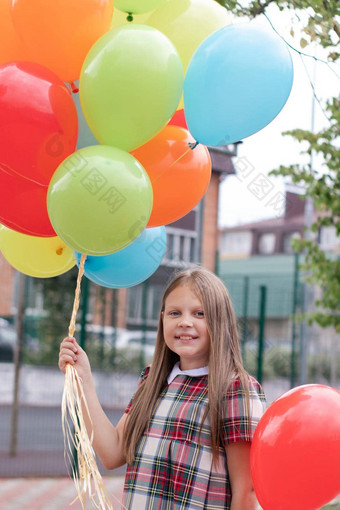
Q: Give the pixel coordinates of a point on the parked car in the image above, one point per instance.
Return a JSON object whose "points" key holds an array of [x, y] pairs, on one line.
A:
{"points": [[8, 338], [125, 339], [138, 340]]}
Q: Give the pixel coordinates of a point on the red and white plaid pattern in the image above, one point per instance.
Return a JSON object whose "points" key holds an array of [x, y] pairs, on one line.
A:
{"points": [[173, 466]]}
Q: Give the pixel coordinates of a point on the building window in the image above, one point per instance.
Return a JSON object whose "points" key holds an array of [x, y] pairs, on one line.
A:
{"points": [[181, 246], [236, 243], [328, 239], [287, 241], [148, 312], [155, 296], [267, 243], [134, 308]]}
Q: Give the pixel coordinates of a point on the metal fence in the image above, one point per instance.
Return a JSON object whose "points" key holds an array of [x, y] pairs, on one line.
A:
{"points": [[267, 308]]}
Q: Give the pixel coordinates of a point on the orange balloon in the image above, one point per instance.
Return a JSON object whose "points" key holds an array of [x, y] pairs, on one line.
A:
{"points": [[59, 33], [179, 175], [11, 48]]}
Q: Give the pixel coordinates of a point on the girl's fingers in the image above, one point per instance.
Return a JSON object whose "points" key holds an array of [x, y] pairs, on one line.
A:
{"points": [[68, 351], [69, 343], [66, 359]]}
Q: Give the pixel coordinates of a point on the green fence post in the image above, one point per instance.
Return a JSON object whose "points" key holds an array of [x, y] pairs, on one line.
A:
{"points": [[114, 325], [20, 321], [144, 324], [245, 313], [294, 305], [262, 317], [102, 294]]}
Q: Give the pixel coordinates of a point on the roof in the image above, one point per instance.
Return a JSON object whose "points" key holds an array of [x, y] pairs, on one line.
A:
{"points": [[269, 224], [221, 161]]}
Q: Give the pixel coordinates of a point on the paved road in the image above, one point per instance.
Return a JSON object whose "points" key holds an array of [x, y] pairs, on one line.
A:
{"points": [[51, 494], [40, 442], [43, 386], [40, 439]]}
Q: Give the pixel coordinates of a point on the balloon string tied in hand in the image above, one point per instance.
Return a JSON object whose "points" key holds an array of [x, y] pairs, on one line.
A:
{"points": [[72, 325], [191, 146], [87, 478]]}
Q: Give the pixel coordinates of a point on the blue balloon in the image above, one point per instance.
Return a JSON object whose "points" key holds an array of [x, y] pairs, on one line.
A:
{"points": [[237, 81], [129, 266]]}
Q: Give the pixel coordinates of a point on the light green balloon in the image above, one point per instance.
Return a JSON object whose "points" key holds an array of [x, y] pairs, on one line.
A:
{"points": [[99, 200], [119, 18], [130, 85], [137, 6], [188, 22]]}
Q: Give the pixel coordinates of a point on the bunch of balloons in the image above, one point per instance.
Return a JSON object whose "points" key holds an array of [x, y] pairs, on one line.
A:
{"points": [[136, 63]]}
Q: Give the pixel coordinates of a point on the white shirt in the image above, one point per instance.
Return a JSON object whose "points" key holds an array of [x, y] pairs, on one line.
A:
{"points": [[194, 372]]}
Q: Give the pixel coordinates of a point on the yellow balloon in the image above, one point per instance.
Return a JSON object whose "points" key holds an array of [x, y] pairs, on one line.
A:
{"points": [[187, 23], [119, 18], [41, 257]]}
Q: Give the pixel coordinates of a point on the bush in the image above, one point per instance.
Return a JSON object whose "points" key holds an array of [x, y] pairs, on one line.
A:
{"points": [[276, 362]]}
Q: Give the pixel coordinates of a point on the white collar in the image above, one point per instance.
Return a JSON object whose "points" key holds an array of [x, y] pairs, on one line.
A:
{"points": [[194, 372]]}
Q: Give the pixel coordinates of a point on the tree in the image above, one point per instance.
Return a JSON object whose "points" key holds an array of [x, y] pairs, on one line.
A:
{"points": [[322, 26], [58, 295]]}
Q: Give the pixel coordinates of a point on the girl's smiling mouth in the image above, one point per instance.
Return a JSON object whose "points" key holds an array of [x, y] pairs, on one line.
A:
{"points": [[186, 337]]}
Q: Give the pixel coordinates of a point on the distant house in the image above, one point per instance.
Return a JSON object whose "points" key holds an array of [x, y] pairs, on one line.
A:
{"points": [[260, 254], [273, 236]]}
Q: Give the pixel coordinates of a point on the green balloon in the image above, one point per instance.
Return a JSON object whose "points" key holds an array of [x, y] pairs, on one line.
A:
{"points": [[137, 6], [99, 200], [130, 85], [188, 23]]}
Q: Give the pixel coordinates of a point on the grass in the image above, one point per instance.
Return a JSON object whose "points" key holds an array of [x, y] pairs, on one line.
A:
{"points": [[336, 506]]}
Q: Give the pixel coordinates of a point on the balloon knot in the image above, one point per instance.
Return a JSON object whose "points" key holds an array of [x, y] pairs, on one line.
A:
{"points": [[129, 18], [59, 251], [192, 145], [74, 88]]}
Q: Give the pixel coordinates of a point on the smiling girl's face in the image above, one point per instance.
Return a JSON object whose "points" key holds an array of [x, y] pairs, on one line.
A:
{"points": [[185, 329]]}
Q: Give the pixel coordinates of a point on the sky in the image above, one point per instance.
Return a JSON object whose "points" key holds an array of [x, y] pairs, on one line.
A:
{"points": [[268, 149]]}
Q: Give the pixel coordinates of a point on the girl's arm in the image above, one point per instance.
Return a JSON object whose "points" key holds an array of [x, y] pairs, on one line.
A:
{"points": [[238, 461], [107, 439]]}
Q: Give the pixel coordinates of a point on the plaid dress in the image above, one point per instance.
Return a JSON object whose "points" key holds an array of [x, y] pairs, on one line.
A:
{"points": [[173, 468]]}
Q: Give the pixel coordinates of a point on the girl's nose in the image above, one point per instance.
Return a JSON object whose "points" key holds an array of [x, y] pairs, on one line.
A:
{"points": [[185, 323]]}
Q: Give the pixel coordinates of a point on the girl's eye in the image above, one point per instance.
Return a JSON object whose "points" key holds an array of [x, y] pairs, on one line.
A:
{"points": [[173, 314], [200, 313]]}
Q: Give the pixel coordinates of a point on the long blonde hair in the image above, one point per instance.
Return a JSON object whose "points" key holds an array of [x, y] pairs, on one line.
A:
{"points": [[225, 361]]}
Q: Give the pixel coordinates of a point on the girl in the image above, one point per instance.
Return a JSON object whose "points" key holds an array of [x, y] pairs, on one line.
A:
{"points": [[186, 433]]}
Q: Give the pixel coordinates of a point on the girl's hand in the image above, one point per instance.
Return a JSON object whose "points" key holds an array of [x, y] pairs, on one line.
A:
{"points": [[71, 352]]}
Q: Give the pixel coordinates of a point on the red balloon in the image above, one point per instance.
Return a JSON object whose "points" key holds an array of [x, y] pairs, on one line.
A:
{"points": [[178, 119], [296, 450], [23, 205], [38, 121]]}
